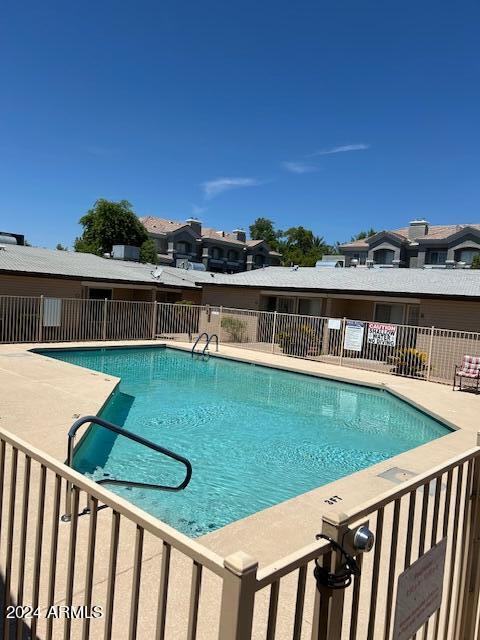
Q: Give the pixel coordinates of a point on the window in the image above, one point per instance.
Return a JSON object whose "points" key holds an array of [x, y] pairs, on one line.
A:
{"points": [[259, 260], [467, 255], [436, 257], [413, 314], [389, 313], [217, 254], [286, 305], [304, 307], [361, 257], [183, 247], [232, 255], [100, 294], [161, 245], [383, 256]]}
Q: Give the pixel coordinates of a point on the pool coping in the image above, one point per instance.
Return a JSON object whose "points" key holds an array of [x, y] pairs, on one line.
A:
{"points": [[291, 523]]}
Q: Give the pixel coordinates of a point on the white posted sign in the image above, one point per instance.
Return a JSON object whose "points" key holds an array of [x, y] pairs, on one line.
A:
{"points": [[334, 323], [382, 334], [419, 592], [353, 340]]}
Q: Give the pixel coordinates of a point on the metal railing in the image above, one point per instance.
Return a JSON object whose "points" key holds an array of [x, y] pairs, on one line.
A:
{"points": [[150, 581], [428, 353], [119, 481]]}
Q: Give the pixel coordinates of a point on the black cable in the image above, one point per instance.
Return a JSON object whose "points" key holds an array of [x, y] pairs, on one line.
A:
{"points": [[342, 578]]}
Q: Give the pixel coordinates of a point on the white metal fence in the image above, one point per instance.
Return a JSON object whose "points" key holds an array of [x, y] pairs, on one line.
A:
{"points": [[429, 353]]}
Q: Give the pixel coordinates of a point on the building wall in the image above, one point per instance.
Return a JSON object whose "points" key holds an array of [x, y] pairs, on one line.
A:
{"points": [[31, 286], [449, 314], [232, 297]]}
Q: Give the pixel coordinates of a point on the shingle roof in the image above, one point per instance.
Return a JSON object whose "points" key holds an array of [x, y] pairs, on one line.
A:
{"points": [[33, 260], [439, 282]]}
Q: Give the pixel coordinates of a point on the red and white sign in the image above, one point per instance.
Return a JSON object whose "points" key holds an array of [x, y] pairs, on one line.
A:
{"points": [[382, 334], [419, 592]]}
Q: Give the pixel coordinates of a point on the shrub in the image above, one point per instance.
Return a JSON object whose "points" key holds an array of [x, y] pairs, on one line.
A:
{"points": [[409, 362], [475, 262], [235, 327], [300, 342]]}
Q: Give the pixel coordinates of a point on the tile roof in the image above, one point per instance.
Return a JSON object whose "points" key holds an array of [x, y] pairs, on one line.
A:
{"points": [[222, 236], [439, 282], [435, 232], [14, 258], [161, 225]]}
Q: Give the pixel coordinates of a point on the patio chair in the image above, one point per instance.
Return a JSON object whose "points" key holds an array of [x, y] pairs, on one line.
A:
{"points": [[470, 369]]}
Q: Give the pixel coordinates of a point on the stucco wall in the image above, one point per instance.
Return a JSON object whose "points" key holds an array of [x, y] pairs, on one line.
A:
{"points": [[232, 297], [450, 314], [31, 286]]}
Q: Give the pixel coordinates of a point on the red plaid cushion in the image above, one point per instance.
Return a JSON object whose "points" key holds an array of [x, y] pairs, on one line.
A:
{"points": [[470, 366]]}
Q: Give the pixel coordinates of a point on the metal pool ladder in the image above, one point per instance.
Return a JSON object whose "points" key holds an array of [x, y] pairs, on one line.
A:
{"points": [[129, 483], [209, 338]]}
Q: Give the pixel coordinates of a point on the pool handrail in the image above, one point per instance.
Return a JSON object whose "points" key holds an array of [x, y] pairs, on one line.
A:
{"points": [[131, 436], [209, 339], [204, 333]]}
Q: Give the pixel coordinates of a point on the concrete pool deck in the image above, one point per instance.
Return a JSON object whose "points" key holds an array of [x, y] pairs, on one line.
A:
{"points": [[42, 397]]}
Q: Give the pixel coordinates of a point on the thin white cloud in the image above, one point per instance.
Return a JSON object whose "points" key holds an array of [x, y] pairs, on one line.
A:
{"points": [[299, 167], [343, 149], [213, 188]]}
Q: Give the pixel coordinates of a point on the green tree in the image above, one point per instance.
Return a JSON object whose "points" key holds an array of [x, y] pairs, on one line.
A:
{"points": [[263, 229], [148, 252], [475, 262], [300, 246], [364, 234], [109, 223]]}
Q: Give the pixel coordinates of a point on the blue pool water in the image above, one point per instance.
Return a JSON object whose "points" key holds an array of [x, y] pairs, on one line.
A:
{"points": [[255, 436]]}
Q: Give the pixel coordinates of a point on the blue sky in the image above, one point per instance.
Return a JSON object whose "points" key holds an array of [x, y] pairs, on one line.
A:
{"points": [[337, 115]]}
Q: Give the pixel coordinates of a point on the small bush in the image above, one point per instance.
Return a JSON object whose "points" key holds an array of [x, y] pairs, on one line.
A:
{"points": [[235, 327], [409, 362]]}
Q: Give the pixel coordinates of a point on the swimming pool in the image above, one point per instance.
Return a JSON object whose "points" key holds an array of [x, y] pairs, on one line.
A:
{"points": [[256, 436]]}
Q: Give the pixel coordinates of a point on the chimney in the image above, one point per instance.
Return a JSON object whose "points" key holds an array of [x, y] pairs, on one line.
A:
{"points": [[196, 225], [418, 229], [240, 235]]}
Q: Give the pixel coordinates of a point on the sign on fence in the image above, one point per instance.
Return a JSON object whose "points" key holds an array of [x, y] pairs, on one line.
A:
{"points": [[382, 334], [419, 592], [353, 340], [334, 323], [52, 312]]}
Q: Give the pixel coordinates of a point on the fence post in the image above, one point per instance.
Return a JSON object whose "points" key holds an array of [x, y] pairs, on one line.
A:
{"points": [[342, 340], [273, 330], [220, 315], [430, 349], [40, 321], [469, 583], [329, 603], [238, 597], [154, 320], [104, 330]]}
